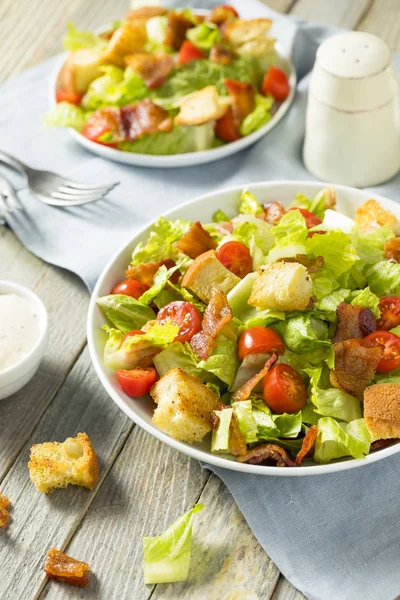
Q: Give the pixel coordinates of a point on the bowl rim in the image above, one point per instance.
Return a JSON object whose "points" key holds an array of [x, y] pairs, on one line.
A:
{"points": [[190, 158], [20, 368], [201, 455]]}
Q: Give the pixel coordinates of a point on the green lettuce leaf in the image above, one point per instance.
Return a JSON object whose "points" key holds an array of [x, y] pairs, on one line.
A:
{"points": [[178, 141], [220, 217], [65, 114], [75, 40], [254, 234], [370, 244], [336, 249], [290, 236], [177, 356], [167, 556], [323, 283], [223, 360], [266, 427], [220, 435], [384, 278], [305, 334], [246, 421], [124, 312], [288, 425], [184, 294], [366, 299], [159, 243], [259, 116], [204, 35], [332, 402], [330, 302], [394, 376], [337, 221], [114, 88], [336, 440], [249, 204], [159, 282], [316, 206]]}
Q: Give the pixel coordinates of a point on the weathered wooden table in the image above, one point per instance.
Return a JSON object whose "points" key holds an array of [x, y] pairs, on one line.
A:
{"points": [[144, 486]]}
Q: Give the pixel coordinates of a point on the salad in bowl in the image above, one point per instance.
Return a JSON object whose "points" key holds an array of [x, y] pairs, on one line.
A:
{"points": [[171, 82], [270, 335]]}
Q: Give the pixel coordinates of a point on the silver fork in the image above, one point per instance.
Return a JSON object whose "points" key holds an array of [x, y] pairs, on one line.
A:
{"points": [[54, 189], [9, 201]]}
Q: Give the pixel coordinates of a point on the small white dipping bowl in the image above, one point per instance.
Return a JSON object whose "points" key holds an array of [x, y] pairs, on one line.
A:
{"points": [[15, 377]]}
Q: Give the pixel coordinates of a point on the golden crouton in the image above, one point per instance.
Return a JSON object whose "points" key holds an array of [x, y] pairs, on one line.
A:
{"points": [[80, 69], [281, 286], [239, 32], [257, 48], [130, 37], [184, 406], [55, 465], [371, 215], [205, 274], [382, 410], [202, 106], [4, 502]]}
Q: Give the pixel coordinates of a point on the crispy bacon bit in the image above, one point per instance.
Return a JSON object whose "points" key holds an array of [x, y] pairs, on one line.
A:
{"points": [[244, 99], [66, 569], [307, 445], [145, 273], [244, 392], [214, 419], [178, 25], [217, 314], [312, 264], [145, 12], [144, 117], [380, 444], [237, 443], [4, 502], [152, 68], [221, 54], [273, 212], [267, 452], [355, 365], [196, 241], [392, 249], [353, 322]]}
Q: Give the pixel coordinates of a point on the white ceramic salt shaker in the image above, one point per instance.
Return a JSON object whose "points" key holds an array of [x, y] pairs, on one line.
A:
{"points": [[353, 112]]}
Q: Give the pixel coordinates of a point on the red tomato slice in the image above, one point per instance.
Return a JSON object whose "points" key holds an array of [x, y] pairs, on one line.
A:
{"points": [[183, 314], [189, 52], [260, 340], [137, 382], [390, 312], [102, 122], [391, 354], [311, 219], [131, 287], [284, 390], [236, 257], [71, 97], [226, 128], [132, 334], [276, 83], [230, 8]]}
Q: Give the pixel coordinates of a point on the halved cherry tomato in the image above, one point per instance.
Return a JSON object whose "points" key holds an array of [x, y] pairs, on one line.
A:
{"points": [[276, 83], [226, 128], [130, 287], [189, 52], [311, 219], [391, 354], [137, 382], [230, 8], [183, 314], [71, 97], [284, 390], [236, 257], [260, 340], [132, 334], [103, 121], [390, 312]]}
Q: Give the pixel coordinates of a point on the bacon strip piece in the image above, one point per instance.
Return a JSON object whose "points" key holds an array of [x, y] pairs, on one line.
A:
{"points": [[4, 502], [221, 54], [217, 314], [66, 569], [267, 452], [152, 68], [143, 118], [380, 444], [355, 365], [145, 273], [392, 249], [307, 445], [244, 99], [196, 241], [312, 264], [353, 322], [244, 392], [273, 212]]}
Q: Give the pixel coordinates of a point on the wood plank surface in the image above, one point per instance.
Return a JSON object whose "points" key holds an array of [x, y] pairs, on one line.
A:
{"points": [[339, 13]]}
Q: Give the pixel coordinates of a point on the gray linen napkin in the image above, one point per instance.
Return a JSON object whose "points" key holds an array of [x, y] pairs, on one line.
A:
{"points": [[334, 537]]}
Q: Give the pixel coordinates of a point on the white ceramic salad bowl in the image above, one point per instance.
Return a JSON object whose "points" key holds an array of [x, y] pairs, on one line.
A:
{"points": [[202, 209]]}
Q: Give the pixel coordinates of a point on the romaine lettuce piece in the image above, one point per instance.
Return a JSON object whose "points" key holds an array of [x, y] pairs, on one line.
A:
{"points": [[246, 421], [184, 294], [336, 440], [384, 278], [114, 88], [266, 427], [204, 35], [179, 356], [223, 360], [220, 217], [159, 244], [75, 40], [159, 282], [290, 236], [366, 299], [370, 244], [124, 312], [255, 234], [336, 249], [323, 283], [178, 141], [249, 204], [65, 114], [330, 302], [220, 435], [288, 425], [167, 556], [251, 365], [259, 116], [336, 221], [332, 402], [308, 335], [316, 206]]}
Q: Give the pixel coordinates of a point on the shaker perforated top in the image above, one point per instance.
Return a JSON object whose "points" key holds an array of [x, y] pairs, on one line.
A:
{"points": [[354, 55]]}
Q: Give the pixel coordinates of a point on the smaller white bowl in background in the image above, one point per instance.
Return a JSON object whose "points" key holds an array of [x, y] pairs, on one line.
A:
{"points": [[15, 377]]}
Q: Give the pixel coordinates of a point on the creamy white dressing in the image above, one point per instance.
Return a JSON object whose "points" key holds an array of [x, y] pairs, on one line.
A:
{"points": [[19, 329]]}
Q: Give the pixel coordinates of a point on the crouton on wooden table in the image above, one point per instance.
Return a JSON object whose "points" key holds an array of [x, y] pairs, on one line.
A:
{"points": [[56, 465], [382, 410], [184, 406], [281, 286], [205, 274]]}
